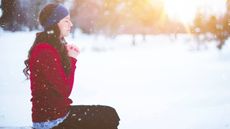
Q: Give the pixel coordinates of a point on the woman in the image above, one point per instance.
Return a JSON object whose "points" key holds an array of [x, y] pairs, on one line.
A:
{"points": [[50, 67]]}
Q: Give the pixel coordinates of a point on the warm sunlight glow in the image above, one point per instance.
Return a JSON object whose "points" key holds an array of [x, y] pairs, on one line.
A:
{"points": [[185, 10]]}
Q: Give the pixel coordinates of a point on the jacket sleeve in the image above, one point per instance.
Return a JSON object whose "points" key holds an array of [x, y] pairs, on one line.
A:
{"points": [[53, 71], [72, 72]]}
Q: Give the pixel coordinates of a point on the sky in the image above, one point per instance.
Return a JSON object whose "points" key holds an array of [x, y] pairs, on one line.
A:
{"points": [[185, 10]]}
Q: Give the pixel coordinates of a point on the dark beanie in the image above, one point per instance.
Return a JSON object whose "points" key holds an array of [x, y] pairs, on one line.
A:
{"points": [[58, 13]]}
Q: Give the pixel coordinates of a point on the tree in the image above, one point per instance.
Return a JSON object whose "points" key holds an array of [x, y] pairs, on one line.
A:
{"points": [[31, 10], [109, 20], [9, 14], [82, 17], [198, 27], [222, 28], [17, 14]]}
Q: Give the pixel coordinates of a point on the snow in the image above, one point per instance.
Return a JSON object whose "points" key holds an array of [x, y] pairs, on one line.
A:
{"points": [[161, 83]]}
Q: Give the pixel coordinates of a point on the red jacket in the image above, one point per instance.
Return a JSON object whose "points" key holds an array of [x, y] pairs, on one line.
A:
{"points": [[50, 86]]}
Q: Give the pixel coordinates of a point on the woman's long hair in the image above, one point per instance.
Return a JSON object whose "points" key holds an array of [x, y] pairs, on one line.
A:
{"points": [[50, 35]]}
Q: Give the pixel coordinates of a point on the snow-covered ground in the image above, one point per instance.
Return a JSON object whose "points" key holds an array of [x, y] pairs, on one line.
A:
{"points": [[161, 83]]}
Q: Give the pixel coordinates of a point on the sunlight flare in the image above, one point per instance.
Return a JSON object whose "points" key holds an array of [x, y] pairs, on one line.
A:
{"points": [[185, 10]]}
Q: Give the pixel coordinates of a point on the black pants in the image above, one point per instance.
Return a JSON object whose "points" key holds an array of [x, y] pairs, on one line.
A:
{"points": [[90, 117]]}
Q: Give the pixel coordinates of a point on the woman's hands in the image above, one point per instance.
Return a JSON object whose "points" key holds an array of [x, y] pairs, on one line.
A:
{"points": [[73, 50]]}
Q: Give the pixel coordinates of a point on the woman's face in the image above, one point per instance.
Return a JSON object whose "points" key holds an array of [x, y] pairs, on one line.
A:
{"points": [[65, 26]]}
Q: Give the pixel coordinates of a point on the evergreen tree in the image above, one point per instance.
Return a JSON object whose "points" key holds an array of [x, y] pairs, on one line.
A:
{"points": [[18, 14], [9, 14], [222, 28]]}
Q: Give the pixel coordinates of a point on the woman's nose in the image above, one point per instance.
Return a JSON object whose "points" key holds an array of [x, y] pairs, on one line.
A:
{"points": [[71, 24]]}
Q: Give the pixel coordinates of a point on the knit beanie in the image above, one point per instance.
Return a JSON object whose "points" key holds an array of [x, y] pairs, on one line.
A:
{"points": [[57, 14]]}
